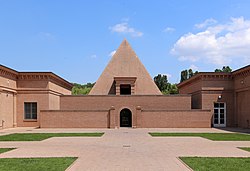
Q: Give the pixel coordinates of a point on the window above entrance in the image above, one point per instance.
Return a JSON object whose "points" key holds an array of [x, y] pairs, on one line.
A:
{"points": [[125, 89], [125, 85]]}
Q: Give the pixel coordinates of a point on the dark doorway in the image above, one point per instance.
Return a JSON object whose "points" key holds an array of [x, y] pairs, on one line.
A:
{"points": [[125, 89], [125, 118]]}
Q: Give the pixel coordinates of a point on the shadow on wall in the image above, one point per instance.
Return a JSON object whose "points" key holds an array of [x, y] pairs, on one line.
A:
{"points": [[2, 124]]}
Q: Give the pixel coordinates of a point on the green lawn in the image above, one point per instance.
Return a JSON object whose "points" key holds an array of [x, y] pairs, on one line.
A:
{"points": [[43, 136], [245, 148], [217, 163], [3, 150], [36, 164], [210, 136]]}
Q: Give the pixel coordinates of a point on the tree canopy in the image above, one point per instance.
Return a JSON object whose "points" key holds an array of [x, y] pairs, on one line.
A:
{"points": [[165, 87], [82, 89], [224, 69], [186, 74]]}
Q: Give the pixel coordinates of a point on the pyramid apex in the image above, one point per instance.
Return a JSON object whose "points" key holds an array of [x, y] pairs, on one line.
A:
{"points": [[125, 64], [124, 42]]}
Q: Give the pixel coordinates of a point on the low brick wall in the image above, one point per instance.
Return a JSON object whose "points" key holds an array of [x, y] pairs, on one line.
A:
{"points": [[145, 119], [74, 119], [176, 118]]}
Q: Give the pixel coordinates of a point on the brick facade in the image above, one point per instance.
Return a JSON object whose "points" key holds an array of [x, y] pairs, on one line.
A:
{"points": [[233, 89], [148, 108]]}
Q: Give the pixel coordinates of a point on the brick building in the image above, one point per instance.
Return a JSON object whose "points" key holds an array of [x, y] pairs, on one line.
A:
{"points": [[124, 96]]}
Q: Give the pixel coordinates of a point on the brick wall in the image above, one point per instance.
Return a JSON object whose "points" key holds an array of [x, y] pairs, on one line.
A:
{"points": [[141, 119], [176, 119], [180, 102], [74, 119]]}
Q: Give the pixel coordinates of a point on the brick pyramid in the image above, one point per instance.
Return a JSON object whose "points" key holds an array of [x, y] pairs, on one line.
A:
{"points": [[125, 63]]}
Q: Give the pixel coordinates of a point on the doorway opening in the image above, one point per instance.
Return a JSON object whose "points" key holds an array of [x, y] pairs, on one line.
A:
{"points": [[125, 118], [219, 117]]}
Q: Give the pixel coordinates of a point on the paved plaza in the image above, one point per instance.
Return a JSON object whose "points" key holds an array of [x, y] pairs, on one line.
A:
{"points": [[123, 149]]}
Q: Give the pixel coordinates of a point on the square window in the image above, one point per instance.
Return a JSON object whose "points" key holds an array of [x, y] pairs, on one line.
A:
{"points": [[222, 105], [215, 121], [216, 105], [30, 110]]}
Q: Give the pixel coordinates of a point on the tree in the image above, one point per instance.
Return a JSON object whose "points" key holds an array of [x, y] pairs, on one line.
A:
{"points": [[79, 89], [186, 74], [161, 81], [165, 87], [174, 89], [224, 69]]}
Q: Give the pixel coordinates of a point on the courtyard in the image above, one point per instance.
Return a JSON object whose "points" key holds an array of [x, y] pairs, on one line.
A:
{"points": [[124, 148]]}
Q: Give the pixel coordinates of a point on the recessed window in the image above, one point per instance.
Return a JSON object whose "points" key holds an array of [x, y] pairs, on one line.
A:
{"points": [[30, 110], [125, 89]]}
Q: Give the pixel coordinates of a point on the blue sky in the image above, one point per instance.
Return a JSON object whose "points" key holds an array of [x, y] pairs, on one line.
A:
{"points": [[75, 39]]}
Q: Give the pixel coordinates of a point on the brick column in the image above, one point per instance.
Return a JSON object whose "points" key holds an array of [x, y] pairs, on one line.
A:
{"points": [[133, 89], [14, 110], [138, 117], [112, 117], [117, 89]]}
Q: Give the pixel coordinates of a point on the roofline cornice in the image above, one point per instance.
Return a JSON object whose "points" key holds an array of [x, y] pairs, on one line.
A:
{"points": [[8, 73], [245, 71], [206, 76], [35, 76]]}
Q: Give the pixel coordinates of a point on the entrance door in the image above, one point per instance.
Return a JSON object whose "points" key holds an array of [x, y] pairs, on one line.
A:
{"points": [[219, 118], [125, 118]]}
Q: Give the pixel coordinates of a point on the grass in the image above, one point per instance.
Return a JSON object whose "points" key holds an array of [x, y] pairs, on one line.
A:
{"points": [[37, 164], [210, 136], [3, 150], [217, 163], [43, 136], [245, 148]]}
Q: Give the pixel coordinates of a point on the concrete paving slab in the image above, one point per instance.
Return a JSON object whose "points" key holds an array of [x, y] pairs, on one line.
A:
{"points": [[124, 149]]}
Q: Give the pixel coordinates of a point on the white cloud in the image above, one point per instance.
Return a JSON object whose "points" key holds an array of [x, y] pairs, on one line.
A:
{"points": [[126, 29], [112, 53], [169, 30], [125, 19], [168, 75], [193, 67], [46, 36], [220, 44], [93, 56], [207, 22]]}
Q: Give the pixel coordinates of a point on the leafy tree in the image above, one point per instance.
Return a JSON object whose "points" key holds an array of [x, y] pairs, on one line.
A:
{"points": [[224, 69], [174, 89], [161, 81], [165, 87], [79, 89], [186, 74]]}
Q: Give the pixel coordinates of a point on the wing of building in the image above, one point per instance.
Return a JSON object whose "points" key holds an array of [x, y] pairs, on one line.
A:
{"points": [[124, 96]]}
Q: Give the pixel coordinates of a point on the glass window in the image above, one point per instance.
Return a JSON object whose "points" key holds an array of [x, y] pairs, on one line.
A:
{"points": [[125, 89], [216, 105], [222, 105], [30, 110]]}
